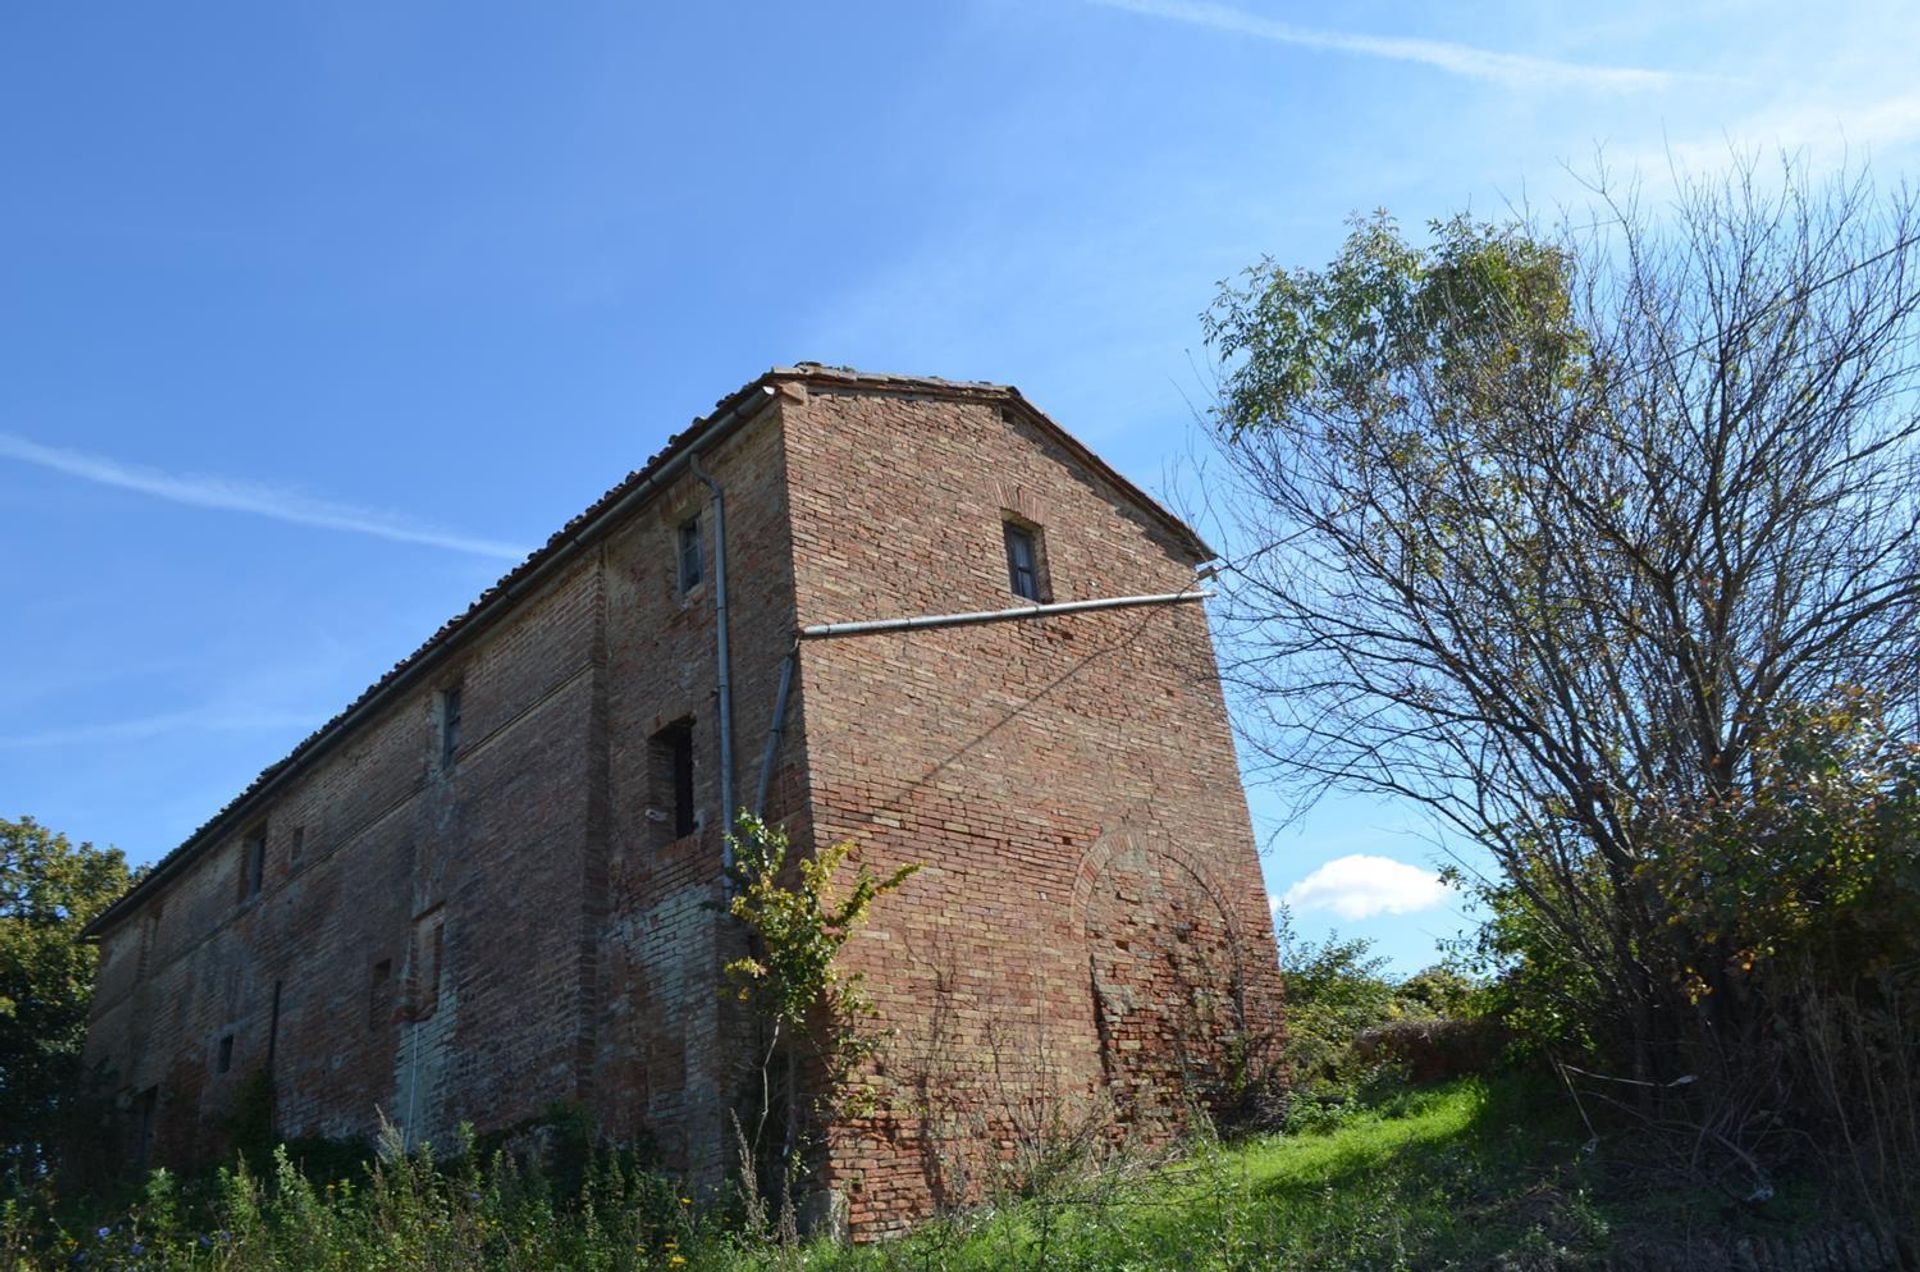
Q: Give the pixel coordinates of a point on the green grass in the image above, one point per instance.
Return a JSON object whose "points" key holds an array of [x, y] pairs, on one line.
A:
{"points": [[1473, 1174], [1469, 1175]]}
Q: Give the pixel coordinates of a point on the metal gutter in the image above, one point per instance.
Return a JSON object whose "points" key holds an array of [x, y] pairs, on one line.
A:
{"points": [[469, 625], [820, 631]]}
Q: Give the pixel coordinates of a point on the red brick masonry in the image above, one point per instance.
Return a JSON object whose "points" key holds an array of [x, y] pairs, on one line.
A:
{"points": [[474, 938]]}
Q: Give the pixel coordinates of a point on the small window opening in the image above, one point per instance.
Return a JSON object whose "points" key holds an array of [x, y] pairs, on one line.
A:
{"points": [[672, 779], [690, 556], [297, 847], [273, 1027], [226, 1054], [380, 994], [253, 862], [149, 940], [449, 724], [429, 943], [146, 1106], [1023, 561]]}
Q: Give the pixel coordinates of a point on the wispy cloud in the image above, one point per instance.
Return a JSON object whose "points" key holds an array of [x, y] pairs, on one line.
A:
{"points": [[1361, 885], [256, 498], [141, 728], [1512, 69], [1827, 132]]}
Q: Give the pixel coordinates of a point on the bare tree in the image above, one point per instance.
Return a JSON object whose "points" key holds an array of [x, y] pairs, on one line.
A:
{"points": [[1543, 529]]}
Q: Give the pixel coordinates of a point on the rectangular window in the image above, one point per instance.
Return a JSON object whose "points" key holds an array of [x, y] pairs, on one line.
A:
{"points": [[253, 862], [449, 724], [691, 557], [297, 848], [226, 1054], [429, 943], [1023, 562], [380, 994], [671, 759], [146, 1108]]}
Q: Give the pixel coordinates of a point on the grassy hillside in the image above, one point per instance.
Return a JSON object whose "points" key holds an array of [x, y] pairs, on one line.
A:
{"points": [[1466, 1175], [1472, 1174]]}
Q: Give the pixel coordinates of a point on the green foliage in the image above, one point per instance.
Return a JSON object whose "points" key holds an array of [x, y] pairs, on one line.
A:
{"points": [[1812, 861], [1546, 988], [401, 1211], [798, 922], [800, 925], [1334, 989], [1469, 1174], [1600, 543], [1442, 990], [1595, 542], [1486, 307], [1803, 879], [1339, 999], [49, 889]]}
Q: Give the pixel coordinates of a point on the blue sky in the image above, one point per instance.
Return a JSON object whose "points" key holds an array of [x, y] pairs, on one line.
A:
{"points": [[312, 317]]}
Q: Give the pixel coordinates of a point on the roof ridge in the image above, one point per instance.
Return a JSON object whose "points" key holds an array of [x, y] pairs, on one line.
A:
{"points": [[503, 590]]}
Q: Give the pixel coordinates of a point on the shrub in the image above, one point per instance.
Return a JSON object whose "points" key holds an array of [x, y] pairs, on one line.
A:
{"points": [[1432, 1049]]}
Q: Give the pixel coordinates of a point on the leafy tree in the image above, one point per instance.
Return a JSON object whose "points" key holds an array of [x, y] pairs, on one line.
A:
{"points": [[1441, 990], [1551, 532], [49, 889]]}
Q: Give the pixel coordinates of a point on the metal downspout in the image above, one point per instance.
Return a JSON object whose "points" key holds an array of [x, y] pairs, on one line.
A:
{"points": [[775, 730], [725, 672]]}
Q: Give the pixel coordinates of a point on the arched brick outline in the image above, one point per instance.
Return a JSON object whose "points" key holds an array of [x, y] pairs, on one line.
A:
{"points": [[1166, 980], [1098, 857]]}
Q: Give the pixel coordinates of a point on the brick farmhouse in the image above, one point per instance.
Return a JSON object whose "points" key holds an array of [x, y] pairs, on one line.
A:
{"points": [[489, 885]]}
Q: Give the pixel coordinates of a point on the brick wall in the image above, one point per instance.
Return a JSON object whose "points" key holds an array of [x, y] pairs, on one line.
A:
{"points": [[666, 1062], [1091, 927], [392, 844], [474, 941]]}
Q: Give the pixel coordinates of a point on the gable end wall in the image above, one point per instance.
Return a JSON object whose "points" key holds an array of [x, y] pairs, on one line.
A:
{"points": [[1090, 923]]}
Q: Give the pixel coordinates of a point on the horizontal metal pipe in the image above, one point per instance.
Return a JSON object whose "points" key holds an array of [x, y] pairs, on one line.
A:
{"points": [[819, 630]]}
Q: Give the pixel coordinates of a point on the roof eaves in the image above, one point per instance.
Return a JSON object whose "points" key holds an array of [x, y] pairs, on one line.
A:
{"points": [[454, 631]]}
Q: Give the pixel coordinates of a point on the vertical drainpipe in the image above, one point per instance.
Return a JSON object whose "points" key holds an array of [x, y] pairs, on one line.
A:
{"points": [[778, 727], [725, 686]]}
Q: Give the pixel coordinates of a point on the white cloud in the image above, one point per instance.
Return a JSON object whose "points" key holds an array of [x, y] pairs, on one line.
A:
{"points": [[1360, 886], [1511, 69], [229, 495]]}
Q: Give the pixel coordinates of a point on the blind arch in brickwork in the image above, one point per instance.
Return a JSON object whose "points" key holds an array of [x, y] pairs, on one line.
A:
{"points": [[1165, 979]]}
